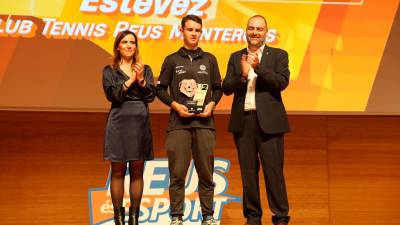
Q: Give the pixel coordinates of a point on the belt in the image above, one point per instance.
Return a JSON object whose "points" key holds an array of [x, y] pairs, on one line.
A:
{"points": [[250, 112]]}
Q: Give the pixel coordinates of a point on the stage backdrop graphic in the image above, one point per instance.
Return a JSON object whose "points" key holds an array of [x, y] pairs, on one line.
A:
{"points": [[52, 52], [155, 203]]}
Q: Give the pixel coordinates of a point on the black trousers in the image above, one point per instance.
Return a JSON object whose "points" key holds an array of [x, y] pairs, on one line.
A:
{"points": [[181, 145], [254, 147]]}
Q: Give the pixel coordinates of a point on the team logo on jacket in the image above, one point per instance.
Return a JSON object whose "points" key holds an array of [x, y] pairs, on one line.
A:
{"points": [[180, 70], [203, 69], [155, 202]]}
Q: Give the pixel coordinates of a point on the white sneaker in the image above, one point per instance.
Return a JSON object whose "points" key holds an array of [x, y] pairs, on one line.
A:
{"points": [[176, 221], [209, 220]]}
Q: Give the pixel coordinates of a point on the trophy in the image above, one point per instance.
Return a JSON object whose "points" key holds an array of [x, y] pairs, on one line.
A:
{"points": [[197, 104], [197, 93]]}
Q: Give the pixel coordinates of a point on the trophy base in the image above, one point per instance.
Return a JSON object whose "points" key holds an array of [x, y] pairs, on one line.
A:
{"points": [[194, 108]]}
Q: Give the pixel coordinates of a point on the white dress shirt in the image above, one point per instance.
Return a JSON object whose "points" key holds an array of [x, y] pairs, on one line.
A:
{"points": [[250, 101]]}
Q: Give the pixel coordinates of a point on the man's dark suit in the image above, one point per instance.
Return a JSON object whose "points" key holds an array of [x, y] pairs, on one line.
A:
{"points": [[259, 134]]}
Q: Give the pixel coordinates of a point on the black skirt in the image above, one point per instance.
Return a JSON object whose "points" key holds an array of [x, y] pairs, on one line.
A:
{"points": [[128, 133]]}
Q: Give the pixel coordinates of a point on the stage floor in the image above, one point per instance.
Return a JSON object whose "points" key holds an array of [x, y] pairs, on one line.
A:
{"points": [[340, 170]]}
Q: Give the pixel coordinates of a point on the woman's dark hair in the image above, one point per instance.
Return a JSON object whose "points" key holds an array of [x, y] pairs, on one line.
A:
{"points": [[117, 54]]}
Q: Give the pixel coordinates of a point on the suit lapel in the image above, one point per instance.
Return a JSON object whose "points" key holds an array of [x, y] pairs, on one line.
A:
{"points": [[265, 55], [243, 52], [239, 56]]}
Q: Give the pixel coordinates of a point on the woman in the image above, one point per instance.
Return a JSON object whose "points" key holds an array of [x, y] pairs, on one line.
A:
{"points": [[128, 85]]}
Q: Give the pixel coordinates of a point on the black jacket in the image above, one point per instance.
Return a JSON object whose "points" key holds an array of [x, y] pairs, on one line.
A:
{"points": [[184, 64], [272, 78]]}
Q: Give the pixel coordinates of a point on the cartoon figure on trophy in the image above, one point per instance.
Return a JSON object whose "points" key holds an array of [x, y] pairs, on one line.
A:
{"points": [[195, 94]]}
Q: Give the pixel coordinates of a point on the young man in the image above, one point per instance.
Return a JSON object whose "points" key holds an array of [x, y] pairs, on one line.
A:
{"points": [[256, 76], [194, 82]]}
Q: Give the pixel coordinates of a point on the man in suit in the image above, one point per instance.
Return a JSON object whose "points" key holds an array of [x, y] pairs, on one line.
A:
{"points": [[256, 76]]}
